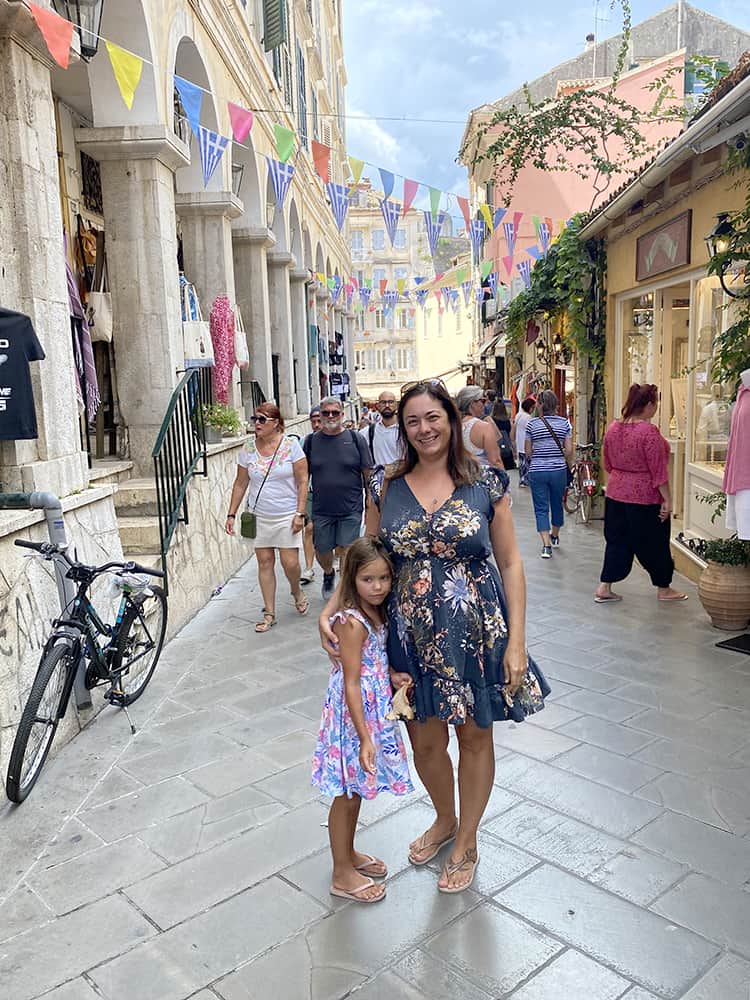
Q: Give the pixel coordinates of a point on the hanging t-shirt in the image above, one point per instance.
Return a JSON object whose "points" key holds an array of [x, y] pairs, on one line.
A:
{"points": [[18, 346]]}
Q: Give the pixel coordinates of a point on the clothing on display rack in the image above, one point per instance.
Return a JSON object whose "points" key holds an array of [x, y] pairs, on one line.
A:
{"points": [[18, 347], [736, 483], [222, 337], [83, 352]]}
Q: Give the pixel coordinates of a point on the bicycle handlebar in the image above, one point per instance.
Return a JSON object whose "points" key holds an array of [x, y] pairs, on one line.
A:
{"points": [[48, 549]]}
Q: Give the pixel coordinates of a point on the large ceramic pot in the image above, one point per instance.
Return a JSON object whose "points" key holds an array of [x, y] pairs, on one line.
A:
{"points": [[725, 594]]}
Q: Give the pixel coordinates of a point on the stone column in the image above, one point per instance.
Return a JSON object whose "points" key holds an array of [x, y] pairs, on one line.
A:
{"points": [[349, 351], [323, 306], [137, 170], [279, 263], [314, 359], [300, 335], [251, 288], [32, 260]]}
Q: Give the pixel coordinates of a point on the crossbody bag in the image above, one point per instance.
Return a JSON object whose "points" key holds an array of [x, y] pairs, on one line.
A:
{"points": [[568, 469], [248, 520]]}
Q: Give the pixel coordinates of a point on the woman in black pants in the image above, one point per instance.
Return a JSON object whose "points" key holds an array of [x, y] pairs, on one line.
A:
{"points": [[638, 506]]}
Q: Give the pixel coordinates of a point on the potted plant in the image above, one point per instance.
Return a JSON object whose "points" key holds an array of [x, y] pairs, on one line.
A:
{"points": [[220, 421], [724, 585]]}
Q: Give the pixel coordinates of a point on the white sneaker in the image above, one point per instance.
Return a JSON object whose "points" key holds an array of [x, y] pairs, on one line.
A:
{"points": [[546, 552], [307, 575]]}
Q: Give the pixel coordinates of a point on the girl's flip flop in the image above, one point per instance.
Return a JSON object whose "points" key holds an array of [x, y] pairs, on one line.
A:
{"points": [[355, 893], [367, 867], [606, 600]]}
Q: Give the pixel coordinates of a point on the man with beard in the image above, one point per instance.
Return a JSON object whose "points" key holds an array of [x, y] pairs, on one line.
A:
{"points": [[382, 436]]}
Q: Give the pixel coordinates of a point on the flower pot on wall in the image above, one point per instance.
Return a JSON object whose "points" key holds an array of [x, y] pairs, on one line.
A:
{"points": [[213, 435], [724, 592]]}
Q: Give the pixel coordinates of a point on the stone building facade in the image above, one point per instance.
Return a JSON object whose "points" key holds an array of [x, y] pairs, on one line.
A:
{"points": [[66, 134]]}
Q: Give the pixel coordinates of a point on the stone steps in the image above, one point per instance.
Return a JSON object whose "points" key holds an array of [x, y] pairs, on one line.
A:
{"points": [[139, 534], [136, 498], [109, 470]]}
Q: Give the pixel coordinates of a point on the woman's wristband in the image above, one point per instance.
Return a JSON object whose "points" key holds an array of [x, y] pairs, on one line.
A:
{"points": [[298, 514], [231, 517]]}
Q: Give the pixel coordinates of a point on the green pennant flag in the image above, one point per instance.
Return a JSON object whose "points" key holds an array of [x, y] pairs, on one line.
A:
{"points": [[284, 142], [486, 268], [462, 274], [537, 223], [435, 196]]}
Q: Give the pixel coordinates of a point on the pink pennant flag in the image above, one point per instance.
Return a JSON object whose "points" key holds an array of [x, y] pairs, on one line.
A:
{"points": [[56, 32], [517, 216], [508, 265], [463, 204], [410, 193], [242, 121]]}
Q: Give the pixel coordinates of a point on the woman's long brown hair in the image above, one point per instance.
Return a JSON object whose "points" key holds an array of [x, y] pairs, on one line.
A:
{"points": [[462, 467]]}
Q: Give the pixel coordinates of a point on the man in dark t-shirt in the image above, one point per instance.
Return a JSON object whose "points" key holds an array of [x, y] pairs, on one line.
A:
{"points": [[340, 464], [18, 346]]}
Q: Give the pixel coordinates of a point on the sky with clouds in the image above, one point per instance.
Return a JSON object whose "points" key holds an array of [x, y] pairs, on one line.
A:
{"points": [[437, 59]]}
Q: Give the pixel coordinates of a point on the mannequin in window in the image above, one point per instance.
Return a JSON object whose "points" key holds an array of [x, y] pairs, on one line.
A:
{"points": [[737, 470]]}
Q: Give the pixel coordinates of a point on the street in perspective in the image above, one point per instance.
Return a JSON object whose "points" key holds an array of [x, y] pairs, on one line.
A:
{"points": [[374, 500]]}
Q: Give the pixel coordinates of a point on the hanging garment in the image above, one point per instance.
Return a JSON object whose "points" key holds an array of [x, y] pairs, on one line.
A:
{"points": [[18, 346], [737, 468], [222, 337], [83, 350]]}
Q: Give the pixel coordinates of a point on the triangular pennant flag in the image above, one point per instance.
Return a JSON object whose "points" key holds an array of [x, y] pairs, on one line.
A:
{"points": [[322, 159], [338, 195], [127, 69], [461, 275], [419, 280], [364, 294], [477, 232], [211, 146], [492, 282], [433, 228], [281, 177], [525, 268], [545, 236], [479, 294], [508, 265], [388, 181], [536, 222], [383, 284], [422, 294], [487, 266], [242, 121], [466, 289], [356, 166], [498, 217], [435, 196], [401, 285], [510, 237], [410, 193], [391, 211], [349, 292], [284, 142], [338, 284], [56, 32], [484, 208], [191, 98], [517, 216], [320, 276], [463, 204], [534, 252]]}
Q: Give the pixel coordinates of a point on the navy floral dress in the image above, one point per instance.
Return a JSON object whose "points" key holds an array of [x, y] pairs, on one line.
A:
{"points": [[447, 609]]}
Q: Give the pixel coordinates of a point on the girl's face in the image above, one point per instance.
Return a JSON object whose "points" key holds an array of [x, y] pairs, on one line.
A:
{"points": [[373, 581], [428, 428]]}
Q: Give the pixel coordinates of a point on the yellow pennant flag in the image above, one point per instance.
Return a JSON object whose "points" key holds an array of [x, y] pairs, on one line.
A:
{"points": [[401, 285], [127, 69], [484, 208], [356, 166]]}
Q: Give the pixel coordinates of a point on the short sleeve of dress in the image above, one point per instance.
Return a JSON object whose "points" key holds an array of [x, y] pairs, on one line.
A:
{"points": [[496, 482], [296, 452], [375, 485]]}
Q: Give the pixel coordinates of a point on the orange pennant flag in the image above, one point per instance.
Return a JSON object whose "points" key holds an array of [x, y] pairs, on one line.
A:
{"points": [[56, 32], [322, 159], [463, 204]]}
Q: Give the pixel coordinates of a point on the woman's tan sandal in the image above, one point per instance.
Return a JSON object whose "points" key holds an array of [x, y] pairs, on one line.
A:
{"points": [[356, 894], [302, 604], [468, 863], [433, 847], [269, 620]]}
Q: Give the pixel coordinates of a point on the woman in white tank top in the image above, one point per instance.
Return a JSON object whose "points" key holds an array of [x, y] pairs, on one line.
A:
{"points": [[480, 439]]}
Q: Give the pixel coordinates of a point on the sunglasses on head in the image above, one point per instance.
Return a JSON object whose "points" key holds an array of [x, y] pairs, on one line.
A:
{"points": [[331, 413], [424, 383], [260, 419]]}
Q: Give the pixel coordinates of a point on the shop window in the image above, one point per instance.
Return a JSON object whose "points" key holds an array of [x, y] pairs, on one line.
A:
{"points": [[712, 411], [641, 354], [91, 184]]}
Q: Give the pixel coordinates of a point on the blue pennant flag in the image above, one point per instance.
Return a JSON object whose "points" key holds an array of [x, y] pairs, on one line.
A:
{"points": [[211, 146], [391, 213], [422, 294], [492, 282], [419, 280], [477, 232], [364, 295], [545, 236], [339, 198], [336, 290], [466, 289], [388, 181], [192, 98], [525, 268], [534, 252], [281, 177], [433, 228], [498, 217], [390, 298], [509, 228], [479, 294]]}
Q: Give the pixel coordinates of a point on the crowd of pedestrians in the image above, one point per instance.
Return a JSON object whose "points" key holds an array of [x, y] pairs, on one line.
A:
{"points": [[430, 602]]}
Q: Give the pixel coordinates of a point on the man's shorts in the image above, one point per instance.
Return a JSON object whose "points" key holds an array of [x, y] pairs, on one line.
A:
{"points": [[330, 533]]}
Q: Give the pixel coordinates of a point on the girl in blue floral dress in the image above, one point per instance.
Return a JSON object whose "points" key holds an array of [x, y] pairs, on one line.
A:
{"points": [[359, 750]]}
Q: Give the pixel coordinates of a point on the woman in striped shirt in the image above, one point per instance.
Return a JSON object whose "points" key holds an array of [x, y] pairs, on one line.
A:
{"points": [[549, 448]]}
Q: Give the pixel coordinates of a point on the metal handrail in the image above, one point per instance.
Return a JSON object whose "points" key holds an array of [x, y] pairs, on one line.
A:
{"points": [[179, 449]]}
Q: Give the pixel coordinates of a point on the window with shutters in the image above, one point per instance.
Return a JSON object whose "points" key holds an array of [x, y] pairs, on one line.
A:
{"points": [[379, 319], [399, 242], [378, 239], [402, 359], [357, 239], [399, 273], [275, 24], [314, 114], [378, 275], [360, 276], [302, 98], [402, 319], [282, 71]]}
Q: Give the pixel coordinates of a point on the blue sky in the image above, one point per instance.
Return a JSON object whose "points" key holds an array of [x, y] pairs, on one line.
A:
{"points": [[437, 59]]}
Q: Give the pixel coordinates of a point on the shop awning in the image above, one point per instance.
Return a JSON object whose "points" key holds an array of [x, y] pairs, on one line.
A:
{"points": [[488, 345]]}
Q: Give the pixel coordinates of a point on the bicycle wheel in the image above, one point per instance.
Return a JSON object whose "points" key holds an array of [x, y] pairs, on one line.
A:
{"points": [[139, 644], [36, 730], [585, 507], [571, 498]]}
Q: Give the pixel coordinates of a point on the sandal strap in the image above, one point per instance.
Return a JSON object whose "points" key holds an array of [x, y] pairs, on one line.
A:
{"points": [[453, 867]]}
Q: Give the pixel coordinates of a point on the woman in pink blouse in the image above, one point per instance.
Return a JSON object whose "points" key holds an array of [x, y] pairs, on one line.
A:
{"points": [[638, 507]]}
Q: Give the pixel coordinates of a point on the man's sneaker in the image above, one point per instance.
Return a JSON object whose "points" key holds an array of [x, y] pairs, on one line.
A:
{"points": [[547, 552], [328, 585], [555, 541], [307, 576]]}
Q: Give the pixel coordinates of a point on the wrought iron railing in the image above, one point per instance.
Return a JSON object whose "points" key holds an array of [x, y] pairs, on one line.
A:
{"points": [[254, 396], [179, 454]]}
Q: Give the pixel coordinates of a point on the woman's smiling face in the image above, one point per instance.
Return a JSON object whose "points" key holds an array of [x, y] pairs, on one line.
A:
{"points": [[428, 428]]}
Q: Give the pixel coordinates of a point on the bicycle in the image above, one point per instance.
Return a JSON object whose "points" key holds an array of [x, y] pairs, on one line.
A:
{"points": [[579, 496], [126, 660]]}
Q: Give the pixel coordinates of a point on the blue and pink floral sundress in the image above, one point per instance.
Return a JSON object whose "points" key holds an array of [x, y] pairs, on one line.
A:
{"points": [[336, 768]]}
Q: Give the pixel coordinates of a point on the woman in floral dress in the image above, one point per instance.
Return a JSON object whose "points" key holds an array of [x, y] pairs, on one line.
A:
{"points": [[452, 633]]}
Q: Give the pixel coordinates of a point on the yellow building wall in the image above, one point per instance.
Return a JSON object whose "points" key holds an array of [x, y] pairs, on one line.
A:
{"points": [[444, 342]]}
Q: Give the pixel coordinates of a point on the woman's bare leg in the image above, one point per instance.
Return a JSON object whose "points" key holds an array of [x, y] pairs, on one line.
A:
{"points": [[290, 564], [429, 739], [267, 577]]}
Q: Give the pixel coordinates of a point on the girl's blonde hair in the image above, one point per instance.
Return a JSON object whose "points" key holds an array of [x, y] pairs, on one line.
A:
{"points": [[360, 553]]}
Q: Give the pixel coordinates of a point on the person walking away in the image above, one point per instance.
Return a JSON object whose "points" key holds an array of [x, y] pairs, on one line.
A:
{"points": [[452, 638], [479, 437], [308, 573], [383, 437], [638, 503], [519, 438], [490, 404], [274, 468], [339, 461], [549, 449], [359, 752], [501, 420]]}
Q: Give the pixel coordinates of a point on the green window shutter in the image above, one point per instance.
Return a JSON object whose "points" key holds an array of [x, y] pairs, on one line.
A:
{"points": [[689, 77], [274, 24]]}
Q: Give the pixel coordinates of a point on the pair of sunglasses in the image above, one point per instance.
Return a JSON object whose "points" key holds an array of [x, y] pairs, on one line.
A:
{"points": [[424, 383], [260, 419], [331, 413]]}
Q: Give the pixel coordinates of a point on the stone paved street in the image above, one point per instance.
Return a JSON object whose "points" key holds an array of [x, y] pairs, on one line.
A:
{"points": [[191, 860]]}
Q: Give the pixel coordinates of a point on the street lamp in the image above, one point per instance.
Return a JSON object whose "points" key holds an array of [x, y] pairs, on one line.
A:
{"points": [[238, 169], [727, 247], [86, 15]]}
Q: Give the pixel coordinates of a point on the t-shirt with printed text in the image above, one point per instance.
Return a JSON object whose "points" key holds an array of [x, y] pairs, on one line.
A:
{"points": [[18, 346]]}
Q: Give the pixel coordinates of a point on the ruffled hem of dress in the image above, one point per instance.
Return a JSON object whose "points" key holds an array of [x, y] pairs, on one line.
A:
{"points": [[332, 791], [453, 701]]}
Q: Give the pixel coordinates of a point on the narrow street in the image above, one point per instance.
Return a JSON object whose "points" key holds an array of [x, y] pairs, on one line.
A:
{"points": [[191, 860]]}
